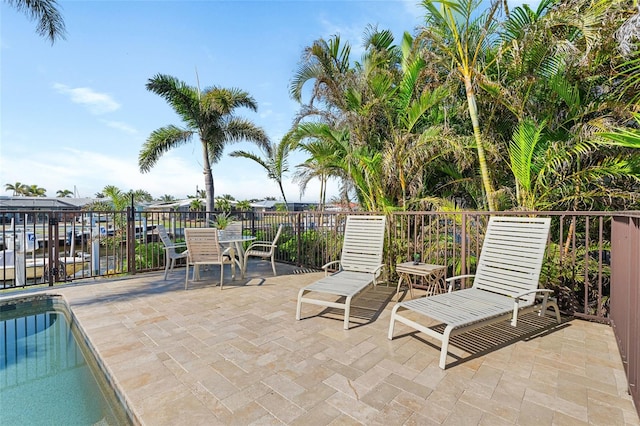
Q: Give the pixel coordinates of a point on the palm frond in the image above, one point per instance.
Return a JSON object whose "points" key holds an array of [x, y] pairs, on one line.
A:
{"points": [[160, 141]]}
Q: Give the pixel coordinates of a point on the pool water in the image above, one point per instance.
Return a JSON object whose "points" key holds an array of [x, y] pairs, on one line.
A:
{"points": [[45, 378]]}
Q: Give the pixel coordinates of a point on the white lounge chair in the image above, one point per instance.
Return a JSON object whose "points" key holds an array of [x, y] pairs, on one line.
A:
{"points": [[204, 249], [359, 266], [505, 283], [170, 253], [264, 250]]}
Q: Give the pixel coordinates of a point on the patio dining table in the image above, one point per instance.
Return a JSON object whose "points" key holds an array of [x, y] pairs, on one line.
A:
{"points": [[236, 243]]}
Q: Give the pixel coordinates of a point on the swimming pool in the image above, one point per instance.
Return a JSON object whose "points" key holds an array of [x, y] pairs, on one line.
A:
{"points": [[47, 373]]}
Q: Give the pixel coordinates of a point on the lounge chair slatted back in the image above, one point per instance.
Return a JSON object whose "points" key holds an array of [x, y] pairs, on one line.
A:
{"points": [[511, 257], [362, 246]]}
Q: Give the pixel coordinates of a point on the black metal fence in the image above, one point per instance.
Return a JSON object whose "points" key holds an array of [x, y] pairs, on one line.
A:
{"points": [[106, 243]]}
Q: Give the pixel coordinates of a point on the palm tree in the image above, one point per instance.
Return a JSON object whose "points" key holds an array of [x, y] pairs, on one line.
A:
{"points": [[17, 188], [274, 161], [461, 36], [50, 22], [326, 63], [328, 151], [243, 205], [63, 193], [209, 115], [197, 206], [36, 191], [223, 204], [120, 200], [167, 198]]}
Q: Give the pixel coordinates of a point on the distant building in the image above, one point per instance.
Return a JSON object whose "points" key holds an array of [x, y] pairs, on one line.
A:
{"points": [[21, 208]]}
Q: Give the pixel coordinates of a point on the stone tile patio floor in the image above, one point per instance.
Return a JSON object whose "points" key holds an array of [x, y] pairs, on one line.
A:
{"points": [[238, 356]]}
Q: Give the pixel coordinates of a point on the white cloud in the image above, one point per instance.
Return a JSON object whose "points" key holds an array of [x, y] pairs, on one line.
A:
{"points": [[266, 113], [120, 126], [89, 172], [97, 103]]}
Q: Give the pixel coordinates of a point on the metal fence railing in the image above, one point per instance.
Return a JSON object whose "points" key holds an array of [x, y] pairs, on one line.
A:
{"points": [[103, 243], [90, 244]]}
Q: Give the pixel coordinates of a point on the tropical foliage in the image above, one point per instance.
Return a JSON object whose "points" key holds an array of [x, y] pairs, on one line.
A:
{"points": [[274, 161], [484, 109], [50, 23]]}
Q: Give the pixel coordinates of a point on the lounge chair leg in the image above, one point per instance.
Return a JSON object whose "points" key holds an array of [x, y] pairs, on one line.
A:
{"points": [[347, 312], [445, 346], [298, 308], [273, 266], [514, 319], [392, 322], [543, 306], [186, 278]]}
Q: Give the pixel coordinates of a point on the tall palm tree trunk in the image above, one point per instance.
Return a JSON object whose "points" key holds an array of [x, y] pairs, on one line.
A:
{"points": [[208, 178], [286, 205], [482, 160]]}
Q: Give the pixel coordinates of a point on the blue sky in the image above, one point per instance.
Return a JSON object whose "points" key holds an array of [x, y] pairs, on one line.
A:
{"points": [[75, 114]]}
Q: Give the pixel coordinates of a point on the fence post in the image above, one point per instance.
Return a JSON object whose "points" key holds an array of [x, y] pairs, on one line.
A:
{"points": [[299, 237], [131, 241], [52, 249], [253, 223], [463, 248]]}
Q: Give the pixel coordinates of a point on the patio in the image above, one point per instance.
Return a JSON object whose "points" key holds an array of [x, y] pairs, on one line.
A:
{"points": [[238, 356]]}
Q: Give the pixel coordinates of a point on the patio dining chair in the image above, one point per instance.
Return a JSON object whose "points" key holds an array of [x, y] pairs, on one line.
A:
{"points": [[264, 250], [170, 253], [204, 249]]}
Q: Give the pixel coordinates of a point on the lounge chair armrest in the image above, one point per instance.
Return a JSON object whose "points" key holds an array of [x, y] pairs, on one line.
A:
{"points": [[379, 268], [451, 280], [538, 290], [326, 266], [516, 300], [459, 277]]}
